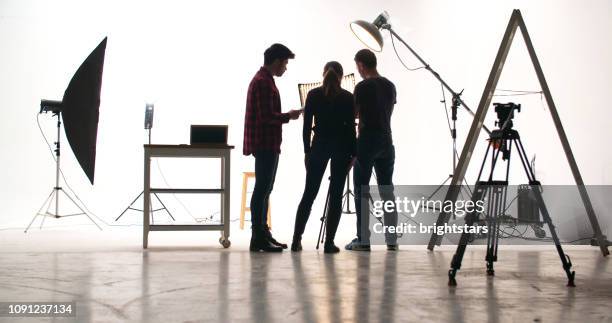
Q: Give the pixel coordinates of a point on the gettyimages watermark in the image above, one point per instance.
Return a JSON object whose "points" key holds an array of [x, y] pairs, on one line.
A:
{"points": [[411, 208], [409, 214]]}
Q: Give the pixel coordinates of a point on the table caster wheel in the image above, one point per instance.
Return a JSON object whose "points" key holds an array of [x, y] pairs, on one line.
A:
{"points": [[225, 242]]}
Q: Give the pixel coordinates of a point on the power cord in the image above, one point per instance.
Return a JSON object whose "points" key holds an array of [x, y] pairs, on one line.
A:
{"points": [[513, 93], [198, 220], [450, 129], [399, 57]]}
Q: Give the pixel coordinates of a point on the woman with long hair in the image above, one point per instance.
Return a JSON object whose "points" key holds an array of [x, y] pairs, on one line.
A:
{"points": [[332, 109]]}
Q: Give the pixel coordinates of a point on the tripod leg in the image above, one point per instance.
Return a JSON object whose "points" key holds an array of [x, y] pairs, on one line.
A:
{"points": [[129, 206], [493, 207], [347, 196], [39, 210], [53, 193], [535, 188], [440, 186], [502, 212], [323, 222], [496, 208], [491, 231], [458, 256], [470, 219], [31, 222], [165, 208], [565, 259], [80, 208]]}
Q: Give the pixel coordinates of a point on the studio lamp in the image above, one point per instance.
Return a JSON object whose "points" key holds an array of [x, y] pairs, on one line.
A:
{"points": [[79, 109], [369, 32]]}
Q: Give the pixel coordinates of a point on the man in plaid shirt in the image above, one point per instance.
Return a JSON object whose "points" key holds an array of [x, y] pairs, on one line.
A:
{"points": [[262, 138]]}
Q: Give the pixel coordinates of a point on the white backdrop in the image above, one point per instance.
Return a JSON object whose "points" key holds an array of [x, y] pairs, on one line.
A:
{"points": [[194, 60]]}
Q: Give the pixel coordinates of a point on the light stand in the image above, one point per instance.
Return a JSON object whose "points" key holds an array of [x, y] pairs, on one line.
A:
{"points": [[79, 110], [347, 196], [147, 125], [55, 192]]}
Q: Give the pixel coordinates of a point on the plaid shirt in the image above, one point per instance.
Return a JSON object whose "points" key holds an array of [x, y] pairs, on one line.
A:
{"points": [[263, 118]]}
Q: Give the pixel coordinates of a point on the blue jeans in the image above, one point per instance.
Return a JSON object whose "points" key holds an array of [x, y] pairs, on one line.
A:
{"points": [[374, 152], [266, 163]]}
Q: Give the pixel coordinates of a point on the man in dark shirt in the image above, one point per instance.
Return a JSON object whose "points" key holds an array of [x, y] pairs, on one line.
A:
{"points": [[375, 98], [262, 138]]}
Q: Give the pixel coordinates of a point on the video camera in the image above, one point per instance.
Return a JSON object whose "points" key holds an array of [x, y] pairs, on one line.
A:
{"points": [[505, 114]]}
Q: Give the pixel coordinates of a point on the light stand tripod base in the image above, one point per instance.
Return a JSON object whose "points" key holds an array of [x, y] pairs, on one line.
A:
{"points": [[130, 207], [55, 192], [54, 197]]}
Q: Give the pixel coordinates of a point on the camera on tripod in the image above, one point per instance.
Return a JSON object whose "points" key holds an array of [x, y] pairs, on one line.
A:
{"points": [[505, 114]]}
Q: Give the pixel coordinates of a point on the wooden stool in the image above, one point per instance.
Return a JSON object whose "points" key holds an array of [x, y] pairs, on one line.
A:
{"points": [[244, 208]]}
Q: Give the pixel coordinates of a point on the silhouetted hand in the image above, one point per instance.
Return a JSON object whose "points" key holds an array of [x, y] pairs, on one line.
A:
{"points": [[294, 114]]}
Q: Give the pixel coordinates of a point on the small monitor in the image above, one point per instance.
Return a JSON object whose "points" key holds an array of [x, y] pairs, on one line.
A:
{"points": [[208, 134]]}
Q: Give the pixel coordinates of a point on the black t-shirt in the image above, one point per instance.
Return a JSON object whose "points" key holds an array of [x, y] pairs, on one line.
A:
{"points": [[374, 101], [334, 118]]}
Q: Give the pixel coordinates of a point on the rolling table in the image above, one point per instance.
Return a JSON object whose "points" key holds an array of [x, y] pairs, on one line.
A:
{"points": [[221, 151]]}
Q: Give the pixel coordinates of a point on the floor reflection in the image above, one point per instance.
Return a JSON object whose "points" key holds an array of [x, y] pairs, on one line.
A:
{"points": [[234, 286], [388, 301], [259, 278], [302, 289]]}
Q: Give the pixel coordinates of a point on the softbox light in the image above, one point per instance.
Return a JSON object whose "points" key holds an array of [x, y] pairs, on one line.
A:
{"points": [[80, 109]]}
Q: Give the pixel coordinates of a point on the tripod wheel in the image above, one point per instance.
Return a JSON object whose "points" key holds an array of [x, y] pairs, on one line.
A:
{"points": [[225, 242]]}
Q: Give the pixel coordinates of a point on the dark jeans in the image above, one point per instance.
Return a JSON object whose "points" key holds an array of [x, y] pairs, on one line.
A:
{"points": [[378, 152], [266, 163], [319, 156]]}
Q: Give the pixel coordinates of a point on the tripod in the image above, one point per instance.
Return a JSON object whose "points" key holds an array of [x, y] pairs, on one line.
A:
{"points": [[55, 192], [348, 195], [501, 142], [130, 207]]}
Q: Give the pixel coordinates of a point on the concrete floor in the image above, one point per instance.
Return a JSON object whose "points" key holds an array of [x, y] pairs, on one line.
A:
{"points": [[116, 281]]}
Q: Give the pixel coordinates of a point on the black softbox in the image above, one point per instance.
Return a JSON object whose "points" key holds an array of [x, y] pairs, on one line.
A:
{"points": [[80, 109]]}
